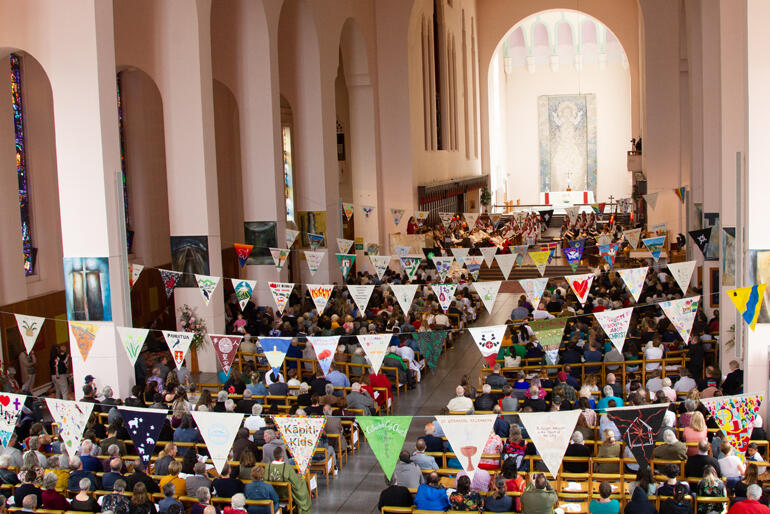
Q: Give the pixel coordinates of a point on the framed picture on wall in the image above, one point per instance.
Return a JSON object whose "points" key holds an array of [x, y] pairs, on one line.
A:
{"points": [[714, 288]]}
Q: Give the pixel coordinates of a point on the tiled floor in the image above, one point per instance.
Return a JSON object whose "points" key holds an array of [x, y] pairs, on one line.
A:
{"points": [[357, 486]]}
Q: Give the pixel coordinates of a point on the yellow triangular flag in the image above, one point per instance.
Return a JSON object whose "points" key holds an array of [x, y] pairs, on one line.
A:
{"points": [[748, 301]]}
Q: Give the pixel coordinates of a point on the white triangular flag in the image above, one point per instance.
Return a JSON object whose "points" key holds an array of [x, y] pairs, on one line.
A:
{"points": [[459, 254], [218, 430], [134, 270], [71, 418], [344, 244], [10, 409], [279, 257], [443, 265], [291, 236], [445, 294], [489, 254], [470, 219], [550, 434], [632, 236], [380, 263], [581, 285], [404, 294], [281, 292], [179, 344], [572, 214], [682, 313], [505, 261], [446, 219], [320, 293], [615, 325], [489, 339], [603, 239], [468, 435], [324, 349], [651, 199], [682, 272], [488, 292], [314, 259], [301, 435], [243, 290], [133, 340], [534, 289], [361, 295], [403, 251], [30, 327], [207, 284], [634, 280], [375, 346]]}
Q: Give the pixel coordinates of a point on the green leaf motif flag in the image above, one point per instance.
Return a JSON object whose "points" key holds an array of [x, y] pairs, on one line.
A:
{"points": [[430, 343], [549, 331], [385, 435]]}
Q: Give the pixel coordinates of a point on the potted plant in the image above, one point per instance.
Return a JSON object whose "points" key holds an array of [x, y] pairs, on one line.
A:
{"points": [[191, 322], [486, 198]]}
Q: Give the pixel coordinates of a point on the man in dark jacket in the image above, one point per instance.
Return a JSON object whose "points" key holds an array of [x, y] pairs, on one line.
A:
{"points": [[697, 463], [639, 503], [140, 475], [395, 495], [486, 401]]}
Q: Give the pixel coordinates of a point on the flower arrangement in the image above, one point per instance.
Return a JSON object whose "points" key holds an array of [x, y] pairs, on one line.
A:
{"points": [[191, 322]]}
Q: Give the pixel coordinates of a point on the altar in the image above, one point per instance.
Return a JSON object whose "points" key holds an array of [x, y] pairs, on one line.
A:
{"points": [[566, 198]]}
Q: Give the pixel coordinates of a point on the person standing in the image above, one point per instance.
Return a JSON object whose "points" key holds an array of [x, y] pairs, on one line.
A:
{"points": [[59, 370]]}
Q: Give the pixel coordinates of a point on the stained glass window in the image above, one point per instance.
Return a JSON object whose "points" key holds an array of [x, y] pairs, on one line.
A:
{"points": [[21, 164], [123, 174], [288, 174]]}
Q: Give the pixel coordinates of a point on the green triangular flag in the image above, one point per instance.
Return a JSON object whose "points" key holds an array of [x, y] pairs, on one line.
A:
{"points": [[430, 343], [385, 435], [345, 262]]}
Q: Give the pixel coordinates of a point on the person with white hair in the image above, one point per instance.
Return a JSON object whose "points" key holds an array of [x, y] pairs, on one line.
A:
{"points": [[359, 399], [255, 421], [577, 448], [229, 405], [237, 504], [486, 401], [751, 504], [460, 403], [672, 448], [609, 394], [408, 355], [667, 389]]}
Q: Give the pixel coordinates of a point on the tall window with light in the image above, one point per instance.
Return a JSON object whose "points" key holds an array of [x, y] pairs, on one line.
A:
{"points": [[288, 172], [17, 102]]}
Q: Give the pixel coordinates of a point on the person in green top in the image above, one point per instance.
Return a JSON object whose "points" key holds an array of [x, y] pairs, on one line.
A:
{"points": [[604, 505], [539, 497], [279, 471]]}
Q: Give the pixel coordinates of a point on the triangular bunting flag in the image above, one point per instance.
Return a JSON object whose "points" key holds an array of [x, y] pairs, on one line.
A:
{"points": [[380, 263], [170, 279], [410, 263], [615, 325], [655, 245], [521, 253], [679, 191], [375, 347], [443, 265], [367, 210], [534, 289], [344, 244], [634, 280], [495, 219], [218, 430], [735, 416], [348, 209], [581, 285], [179, 344], [314, 259], [459, 254], [421, 216], [748, 301], [639, 427], [488, 292], [134, 270], [403, 251], [446, 219], [546, 217], [573, 256], [315, 240], [275, 349], [84, 334], [572, 214], [320, 293], [468, 435], [609, 252], [489, 339], [578, 243], [361, 295], [505, 262], [29, 327], [682, 273], [226, 347], [603, 239], [144, 426], [488, 252], [445, 294], [430, 343], [243, 290], [473, 264], [550, 434], [660, 229], [632, 236], [385, 435], [651, 199], [681, 313], [540, 258], [279, 257], [397, 215], [133, 340], [242, 252], [207, 284], [404, 294], [281, 292], [291, 236], [71, 418], [345, 262], [549, 332], [324, 348], [470, 219], [10, 408], [300, 433], [701, 238]]}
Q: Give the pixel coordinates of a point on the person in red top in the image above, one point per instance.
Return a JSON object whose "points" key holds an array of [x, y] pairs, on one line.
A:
{"points": [[378, 380], [751, 504], [411, 226]]}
